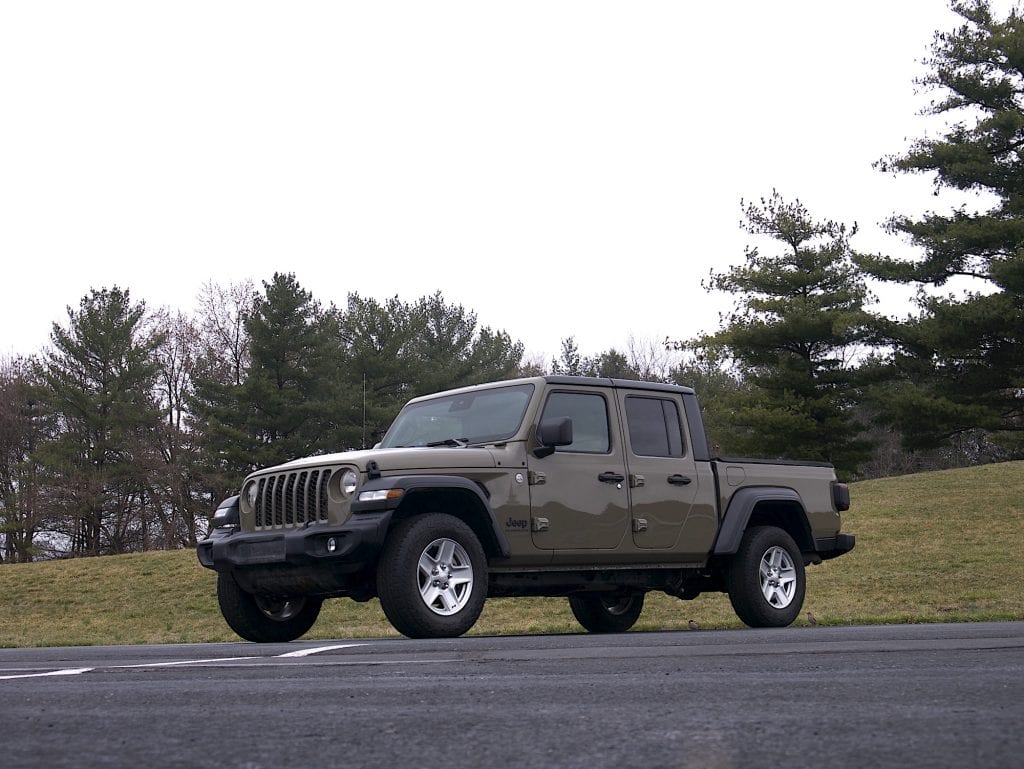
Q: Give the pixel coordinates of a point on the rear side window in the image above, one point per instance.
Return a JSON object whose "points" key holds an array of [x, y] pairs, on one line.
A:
{"points": [[654, 427], [589, 416]]}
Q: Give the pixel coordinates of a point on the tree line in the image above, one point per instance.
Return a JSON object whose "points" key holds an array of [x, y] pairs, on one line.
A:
{"points": [[127, 430], [124, 433]]}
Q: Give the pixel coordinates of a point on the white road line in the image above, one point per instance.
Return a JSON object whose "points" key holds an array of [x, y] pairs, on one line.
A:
{"points": [[179, 662], [65, 672], [319, 649]]}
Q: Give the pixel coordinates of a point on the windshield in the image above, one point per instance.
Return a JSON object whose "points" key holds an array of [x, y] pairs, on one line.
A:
{"points": [[484, 416]]}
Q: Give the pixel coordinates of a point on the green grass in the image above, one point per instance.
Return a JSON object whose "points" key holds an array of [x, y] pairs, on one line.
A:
{"points": [[933, 547]]}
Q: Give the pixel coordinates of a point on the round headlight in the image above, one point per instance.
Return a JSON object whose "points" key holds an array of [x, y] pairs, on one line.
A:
{"points": [[252, 493], [349, 481]]}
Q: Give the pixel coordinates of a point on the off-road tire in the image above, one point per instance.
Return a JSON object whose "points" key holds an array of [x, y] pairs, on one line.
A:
{"points": [[421, 577], [265, 620], [765, 579], [607, 612]]}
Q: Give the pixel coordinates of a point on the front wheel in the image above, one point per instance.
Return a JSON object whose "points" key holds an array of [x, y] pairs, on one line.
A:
{"points": [[263, 619], [766, 579], [432, 577], [607, 612]]}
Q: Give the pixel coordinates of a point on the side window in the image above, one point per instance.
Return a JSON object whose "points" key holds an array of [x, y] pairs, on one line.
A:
{"points": [[654, 427], [589, 415]]}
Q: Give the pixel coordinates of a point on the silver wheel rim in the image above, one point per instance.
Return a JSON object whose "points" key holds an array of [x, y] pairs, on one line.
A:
{"points": [[280, 609], [778, 577], [618, 605], [445, 576]]}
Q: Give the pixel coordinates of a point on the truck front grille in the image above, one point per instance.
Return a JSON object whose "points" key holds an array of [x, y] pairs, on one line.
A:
{"points": [[289, 500]]}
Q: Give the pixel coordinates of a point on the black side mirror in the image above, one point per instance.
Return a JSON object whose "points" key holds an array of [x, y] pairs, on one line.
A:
{"points": [[551, 433], [226, 515]]}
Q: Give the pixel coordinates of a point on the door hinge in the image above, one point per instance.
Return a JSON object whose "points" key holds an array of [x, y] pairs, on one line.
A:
{"points": [[639, 524], [540, 524], [536, 478], [635, 481]]}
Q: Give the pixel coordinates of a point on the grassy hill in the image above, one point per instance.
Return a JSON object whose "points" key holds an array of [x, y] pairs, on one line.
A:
{"points": [[933, 547]]}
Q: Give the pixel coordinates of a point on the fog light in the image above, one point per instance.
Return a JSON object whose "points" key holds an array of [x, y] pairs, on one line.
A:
{"points": [[332, 545]]}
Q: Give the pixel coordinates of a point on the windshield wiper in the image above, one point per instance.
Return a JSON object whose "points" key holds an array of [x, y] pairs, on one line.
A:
{"points": [[450, 442]]}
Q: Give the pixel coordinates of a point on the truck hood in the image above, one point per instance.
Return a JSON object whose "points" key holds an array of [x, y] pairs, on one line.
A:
{"points": [[398, 460]]}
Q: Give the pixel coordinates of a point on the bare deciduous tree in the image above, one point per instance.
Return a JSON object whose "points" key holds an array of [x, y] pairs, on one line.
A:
{"points": [[223, 311]]}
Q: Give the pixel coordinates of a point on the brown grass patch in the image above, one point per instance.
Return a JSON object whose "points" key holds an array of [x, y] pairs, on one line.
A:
{"points": [[933, 547]]}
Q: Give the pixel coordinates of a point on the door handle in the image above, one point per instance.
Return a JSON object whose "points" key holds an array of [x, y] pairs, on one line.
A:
{"points": [[679, 480], [611, 477]]}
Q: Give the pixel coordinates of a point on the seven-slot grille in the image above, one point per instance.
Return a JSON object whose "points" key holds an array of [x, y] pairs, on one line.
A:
{"points": [[288, 500]]}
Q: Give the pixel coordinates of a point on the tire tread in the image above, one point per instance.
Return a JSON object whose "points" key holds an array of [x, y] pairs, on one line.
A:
{"points": [[248, 621], [743, 584], [397, 585]]}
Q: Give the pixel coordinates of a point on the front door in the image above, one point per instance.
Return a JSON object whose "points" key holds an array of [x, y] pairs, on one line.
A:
{"points": [[579, 496]]}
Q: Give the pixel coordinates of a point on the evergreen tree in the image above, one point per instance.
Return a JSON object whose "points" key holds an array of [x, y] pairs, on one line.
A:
{"points": [[797, 321], [98, 380], [611, 363], [960, 362], [717, 388], [291, 374], [450, 350], [331, 380], [569, 362], [280, 410], [397, 350], [377, 341]]}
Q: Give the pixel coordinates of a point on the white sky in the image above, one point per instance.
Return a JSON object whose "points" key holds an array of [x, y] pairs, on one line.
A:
{"points": [[562, 168]]}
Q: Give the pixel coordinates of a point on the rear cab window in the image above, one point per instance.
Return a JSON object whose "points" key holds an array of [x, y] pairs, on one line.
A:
{"points": [[654, 426]]}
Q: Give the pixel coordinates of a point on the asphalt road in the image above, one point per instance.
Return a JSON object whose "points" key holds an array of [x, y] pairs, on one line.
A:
{"points": [[920, 695]]}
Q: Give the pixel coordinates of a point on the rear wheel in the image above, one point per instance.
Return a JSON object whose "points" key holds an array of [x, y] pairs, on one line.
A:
{"points": [[265, 619], [432, 577], [607, 612], [766, 580]]}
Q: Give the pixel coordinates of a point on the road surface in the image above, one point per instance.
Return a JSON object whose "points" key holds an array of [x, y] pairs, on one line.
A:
{"points": [[913, 695]]}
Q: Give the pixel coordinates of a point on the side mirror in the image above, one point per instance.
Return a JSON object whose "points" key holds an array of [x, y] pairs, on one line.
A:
{"points": [[226, 515], [551, 433]]}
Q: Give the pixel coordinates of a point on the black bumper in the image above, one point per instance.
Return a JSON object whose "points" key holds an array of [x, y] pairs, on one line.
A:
{"points": [[833, 547], [298, 561]]}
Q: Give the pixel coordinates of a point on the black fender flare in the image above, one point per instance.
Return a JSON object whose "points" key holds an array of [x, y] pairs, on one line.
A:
{"points": [[741, 507], [414, 484]]}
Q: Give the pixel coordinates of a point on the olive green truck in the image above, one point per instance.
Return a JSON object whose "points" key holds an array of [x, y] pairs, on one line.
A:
{"points": [[599, 490]]}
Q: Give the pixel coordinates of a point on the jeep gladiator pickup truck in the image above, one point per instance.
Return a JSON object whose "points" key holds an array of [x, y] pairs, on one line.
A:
{"points": [[600, 490]]}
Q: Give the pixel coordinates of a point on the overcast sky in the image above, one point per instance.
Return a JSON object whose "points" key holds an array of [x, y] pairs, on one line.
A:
{"points": [[562, 168]]}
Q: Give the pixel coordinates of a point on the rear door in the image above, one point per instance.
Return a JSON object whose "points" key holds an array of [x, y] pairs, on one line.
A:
{"points": [[662, 474]]}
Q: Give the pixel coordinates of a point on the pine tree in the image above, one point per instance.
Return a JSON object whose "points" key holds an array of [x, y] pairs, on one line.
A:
{"points": [[960, 362], [281, 408], [798, 319], [98, 380], [397, 350]]}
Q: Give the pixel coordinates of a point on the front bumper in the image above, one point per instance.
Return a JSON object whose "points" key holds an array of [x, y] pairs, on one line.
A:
{"points": [[297, 561]]}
